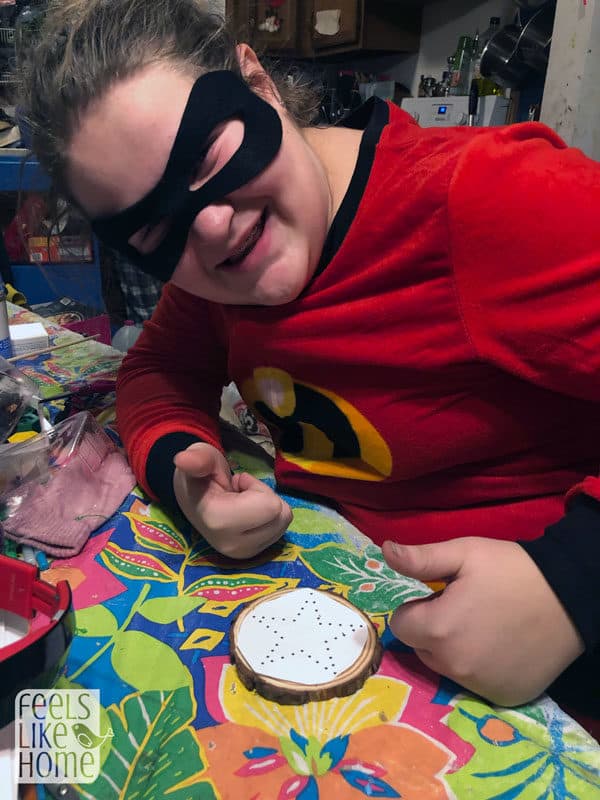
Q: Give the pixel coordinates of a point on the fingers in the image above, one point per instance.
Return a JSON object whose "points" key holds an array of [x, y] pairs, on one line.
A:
{"points": [[490, 625], [239, 520], [238, 515], [414, 623], [422, 624], [246, 509], [249, 543], [201, 460], [243, 482], [426, 562], [235, 534]]}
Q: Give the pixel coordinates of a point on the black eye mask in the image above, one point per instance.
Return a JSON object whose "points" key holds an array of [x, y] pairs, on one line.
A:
{"points": [[215, 98]]}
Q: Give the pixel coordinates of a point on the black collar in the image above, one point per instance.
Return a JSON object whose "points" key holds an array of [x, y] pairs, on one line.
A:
{"points": [[371, 117]]}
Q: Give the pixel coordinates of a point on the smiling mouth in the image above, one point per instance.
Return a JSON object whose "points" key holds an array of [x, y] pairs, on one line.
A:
{"points": [[249, 243]]}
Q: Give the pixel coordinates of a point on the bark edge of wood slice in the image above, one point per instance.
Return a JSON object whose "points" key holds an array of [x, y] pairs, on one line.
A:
{"points": [[288, 692]]}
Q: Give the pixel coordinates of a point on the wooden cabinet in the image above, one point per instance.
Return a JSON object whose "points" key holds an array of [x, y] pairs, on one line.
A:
{"points": [[269, 27], [319, 28], [334, 23]]}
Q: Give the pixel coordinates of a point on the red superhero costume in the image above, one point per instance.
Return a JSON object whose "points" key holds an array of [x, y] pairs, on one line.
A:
{"points": [[459, 317], [440, 375]]}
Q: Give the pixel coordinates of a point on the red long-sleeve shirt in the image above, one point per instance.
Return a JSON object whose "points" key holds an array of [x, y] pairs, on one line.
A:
{"points": [[440, 375]]}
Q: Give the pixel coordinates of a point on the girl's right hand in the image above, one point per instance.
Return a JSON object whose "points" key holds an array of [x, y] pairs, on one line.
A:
{"points": [[238, 515]]}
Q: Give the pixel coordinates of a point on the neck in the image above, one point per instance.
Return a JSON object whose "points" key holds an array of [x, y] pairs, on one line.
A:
{"points": [[337, 151]]}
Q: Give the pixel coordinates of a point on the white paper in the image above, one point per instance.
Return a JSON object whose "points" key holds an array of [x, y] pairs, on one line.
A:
{"points": [[303, 636], [12, 628], [327, 23]]}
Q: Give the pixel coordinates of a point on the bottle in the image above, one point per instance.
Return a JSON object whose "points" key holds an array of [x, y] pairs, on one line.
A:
{"points": [[5, 344], [476, 59], [459, 77], [486, 85], [445, 84], [126, 336]]}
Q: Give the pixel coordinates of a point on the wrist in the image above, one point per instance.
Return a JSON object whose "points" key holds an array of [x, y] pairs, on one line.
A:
{"points": [[160, 468]]}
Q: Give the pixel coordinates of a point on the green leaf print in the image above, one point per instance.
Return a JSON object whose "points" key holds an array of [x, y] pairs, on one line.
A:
{"points": [[155, 535], [321, 763], [169, 609], [244, 462], [136, 564], [307, 520], [371, 585], [518, 758], [157, 514], [295, 756], [155, 752], [143, 661], [95, 621]]}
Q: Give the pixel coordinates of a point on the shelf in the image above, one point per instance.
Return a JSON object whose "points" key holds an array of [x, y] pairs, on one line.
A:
{"points": [[20, 173], [41, 283]]}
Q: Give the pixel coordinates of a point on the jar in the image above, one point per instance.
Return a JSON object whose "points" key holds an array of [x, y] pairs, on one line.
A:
{"points": [[461, 63]]}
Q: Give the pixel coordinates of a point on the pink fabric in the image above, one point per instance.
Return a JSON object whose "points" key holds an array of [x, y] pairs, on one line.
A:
{"points": [[83, 492]]}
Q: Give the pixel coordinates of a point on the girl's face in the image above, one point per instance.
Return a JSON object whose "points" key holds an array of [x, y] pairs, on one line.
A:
{"points": [[258, 245]]}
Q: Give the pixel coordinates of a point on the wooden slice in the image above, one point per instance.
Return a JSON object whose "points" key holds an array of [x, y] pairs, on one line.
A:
{"points": [[299, 645]]}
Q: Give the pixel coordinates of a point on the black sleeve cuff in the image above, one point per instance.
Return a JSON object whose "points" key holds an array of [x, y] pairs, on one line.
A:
{"points": [[160, 467], [568, 555]]}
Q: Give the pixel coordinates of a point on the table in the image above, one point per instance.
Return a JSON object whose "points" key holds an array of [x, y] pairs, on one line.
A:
{"points": [[153, 609]]}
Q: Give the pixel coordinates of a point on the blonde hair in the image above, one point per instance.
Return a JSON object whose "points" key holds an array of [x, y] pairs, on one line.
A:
{"points": [[86, 46]]}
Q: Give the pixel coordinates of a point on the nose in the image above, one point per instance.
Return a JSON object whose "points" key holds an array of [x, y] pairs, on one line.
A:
{"points": [[212, 223]]}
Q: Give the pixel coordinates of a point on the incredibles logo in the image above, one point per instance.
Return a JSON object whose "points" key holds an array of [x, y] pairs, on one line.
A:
{"points": [[319, 431]]}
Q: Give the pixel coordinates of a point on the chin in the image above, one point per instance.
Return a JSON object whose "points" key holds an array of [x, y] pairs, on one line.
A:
{"points": [[280, 296], [281, 299], [280, 286]]}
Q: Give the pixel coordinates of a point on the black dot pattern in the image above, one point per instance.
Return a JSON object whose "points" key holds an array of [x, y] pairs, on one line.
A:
{"points": [[305, 636]]}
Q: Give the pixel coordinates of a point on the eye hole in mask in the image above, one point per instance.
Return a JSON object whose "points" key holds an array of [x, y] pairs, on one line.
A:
{"points": [[148, 238], [209, 152]]}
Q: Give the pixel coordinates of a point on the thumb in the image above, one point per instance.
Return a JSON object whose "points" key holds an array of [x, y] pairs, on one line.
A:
{"points": [[427, 562], [202, 460]]}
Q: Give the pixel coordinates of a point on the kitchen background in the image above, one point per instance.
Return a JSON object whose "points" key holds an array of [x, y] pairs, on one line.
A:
{"points": [[436, 51]]}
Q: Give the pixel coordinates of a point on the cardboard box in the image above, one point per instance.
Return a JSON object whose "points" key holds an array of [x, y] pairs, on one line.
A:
{"points": [[60, 249]]}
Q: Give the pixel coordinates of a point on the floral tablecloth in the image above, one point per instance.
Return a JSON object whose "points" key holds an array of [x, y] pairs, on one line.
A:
{"points": [[153, 609]]}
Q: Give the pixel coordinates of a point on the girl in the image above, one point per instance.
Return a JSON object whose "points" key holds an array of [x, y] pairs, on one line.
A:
{"points": [[413, 312]]}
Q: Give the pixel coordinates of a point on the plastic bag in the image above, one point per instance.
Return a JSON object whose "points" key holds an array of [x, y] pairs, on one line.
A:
{"points": [[17, 393], [57, 487]]}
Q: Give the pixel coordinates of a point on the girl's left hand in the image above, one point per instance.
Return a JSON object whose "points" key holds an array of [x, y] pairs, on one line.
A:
{"points": [[497, 628]]}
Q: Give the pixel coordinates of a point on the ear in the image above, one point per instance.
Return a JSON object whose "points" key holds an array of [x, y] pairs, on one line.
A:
{"points": [[255, 74], [248, 60]]}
